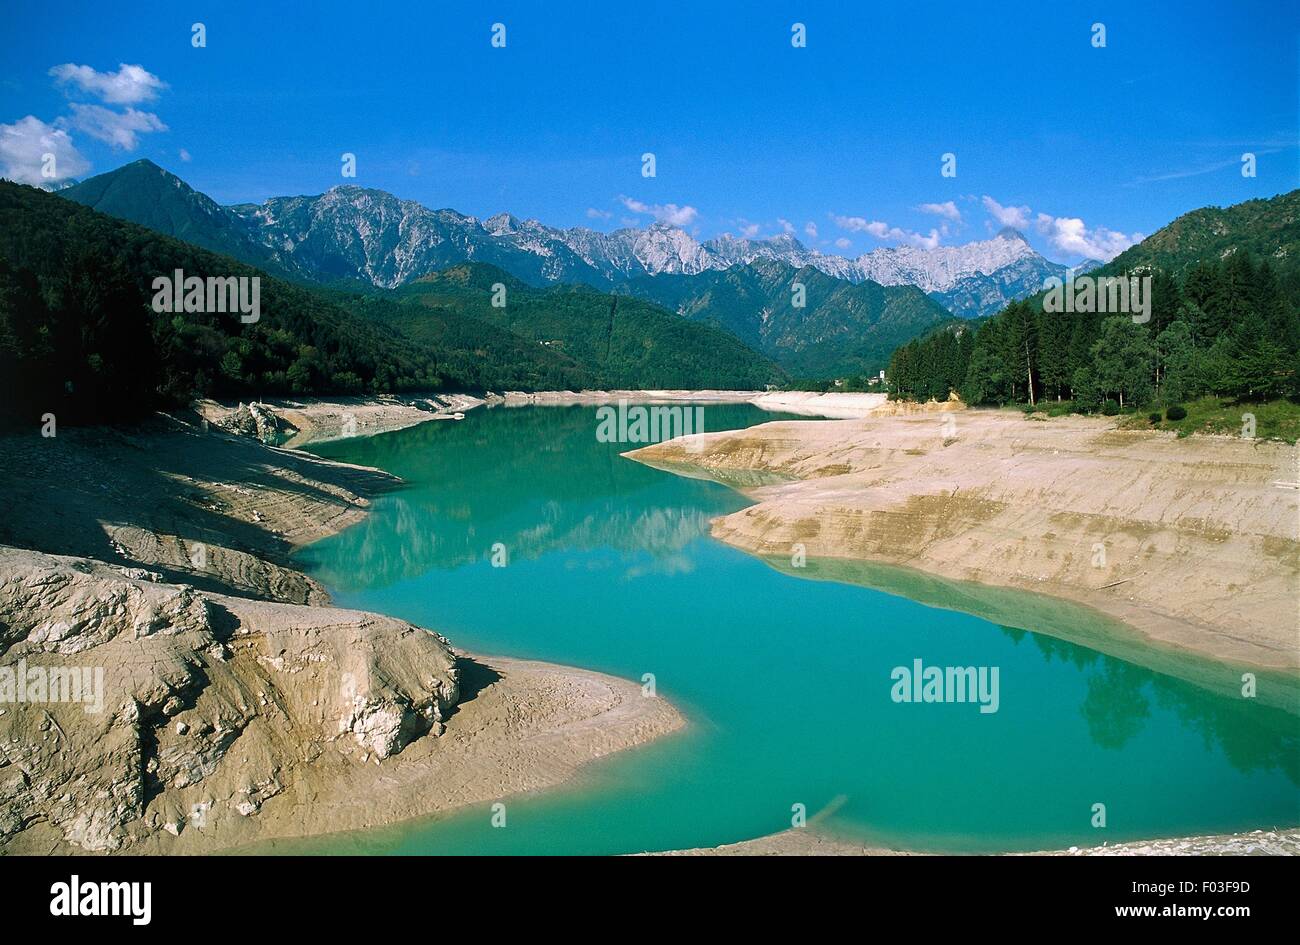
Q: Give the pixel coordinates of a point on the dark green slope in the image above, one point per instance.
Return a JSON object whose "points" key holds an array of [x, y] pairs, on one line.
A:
{"points": [[1264, 229], [144, 193], [79, 338], [1224, 322], [624, 341], [843, 329], [480, 355]]}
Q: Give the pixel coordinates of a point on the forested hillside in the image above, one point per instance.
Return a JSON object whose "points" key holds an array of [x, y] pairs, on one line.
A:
{"points": [[1224, 320], [79, 338], [621, 341], [841, 328]]}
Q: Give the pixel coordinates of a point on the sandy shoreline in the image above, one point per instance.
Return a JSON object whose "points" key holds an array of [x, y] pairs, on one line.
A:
{"points": [[515, 726], [1189, 543], [1190, 548], [808, 842], [240, 708], [832, 405], [296, 423]]}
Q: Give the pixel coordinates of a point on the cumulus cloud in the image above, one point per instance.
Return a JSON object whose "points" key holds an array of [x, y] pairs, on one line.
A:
{"points": [[810, 230], [1017, 217], [786, 225], [946, 209], [119, 129], [843, 242], [1068, 235], [29, 149], [594, 214], [1071, 236], [883, 231], [129, 85], [750, 230], [185, 156], [669, 213]]}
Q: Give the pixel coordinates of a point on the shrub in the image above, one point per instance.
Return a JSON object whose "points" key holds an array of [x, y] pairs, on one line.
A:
{"points": [[1110, 408], [1175, 413], [1154, 418]]}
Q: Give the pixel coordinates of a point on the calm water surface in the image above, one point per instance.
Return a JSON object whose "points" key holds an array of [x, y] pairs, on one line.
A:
{"points": [[786, 681]]}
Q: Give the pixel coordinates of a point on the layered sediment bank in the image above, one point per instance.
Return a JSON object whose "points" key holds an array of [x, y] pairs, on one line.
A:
{"points": [[1190, 543], [1189, 546]]}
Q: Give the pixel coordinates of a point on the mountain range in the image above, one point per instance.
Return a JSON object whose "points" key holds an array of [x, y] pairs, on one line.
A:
{"points": [[842, 328], [355, 234]]}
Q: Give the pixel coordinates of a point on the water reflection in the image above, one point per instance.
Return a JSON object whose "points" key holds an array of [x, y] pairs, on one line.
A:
{"points": [[467, 491]]}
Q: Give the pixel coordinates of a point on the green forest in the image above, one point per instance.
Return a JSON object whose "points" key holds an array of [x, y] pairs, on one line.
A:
{"points": [[1224, 321], [79, 337], [620, 341], [1226, 329]]}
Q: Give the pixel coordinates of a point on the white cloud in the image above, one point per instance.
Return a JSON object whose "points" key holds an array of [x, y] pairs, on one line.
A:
{"points": [[843, 242], [1017, 217], [786, 225], [750, 230], [669, 213], [1071, 236], [129, 85], [883, 231], [854, 224], [810, 230], [594, 214], [946, 209], [23, 149], [119, 129], [185, 156]]}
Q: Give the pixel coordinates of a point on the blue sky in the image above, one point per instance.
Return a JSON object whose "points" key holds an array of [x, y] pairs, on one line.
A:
{"points": [[1083, 148]]}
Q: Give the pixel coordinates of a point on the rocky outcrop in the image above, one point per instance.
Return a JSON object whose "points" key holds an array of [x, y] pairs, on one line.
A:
{"points": [[296, 423], [190, 707], [254, 420]]}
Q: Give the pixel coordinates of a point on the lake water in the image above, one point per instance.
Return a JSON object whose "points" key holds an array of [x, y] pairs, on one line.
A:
{"points": [[786, 681]]}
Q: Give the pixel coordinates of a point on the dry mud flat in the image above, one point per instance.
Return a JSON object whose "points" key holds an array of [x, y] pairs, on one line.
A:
{"points": [[836, 405], [810, 843], [1192, 544], [236, 706]]}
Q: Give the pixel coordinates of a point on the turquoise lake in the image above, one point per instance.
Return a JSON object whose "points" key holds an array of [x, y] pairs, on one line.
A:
{"points": [[785, 681]]}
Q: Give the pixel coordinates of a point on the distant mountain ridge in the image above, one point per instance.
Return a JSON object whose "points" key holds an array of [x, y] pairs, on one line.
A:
{"points": [[354, 233], [842, 328]]}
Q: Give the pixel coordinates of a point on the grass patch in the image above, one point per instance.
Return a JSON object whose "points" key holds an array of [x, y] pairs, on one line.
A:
{"points": [[1049, 408], [1274, 419]]}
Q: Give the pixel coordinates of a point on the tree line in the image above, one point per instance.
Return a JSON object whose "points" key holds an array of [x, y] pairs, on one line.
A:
{"points": [[1228, 328]]}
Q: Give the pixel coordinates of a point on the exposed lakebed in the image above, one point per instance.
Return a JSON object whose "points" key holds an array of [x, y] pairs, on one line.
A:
{"points": [[786, 681]]}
